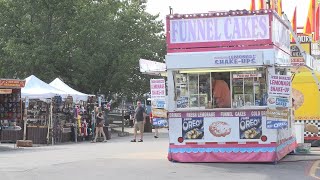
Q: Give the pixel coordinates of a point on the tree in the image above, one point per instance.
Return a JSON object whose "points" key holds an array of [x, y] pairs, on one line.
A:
{"points": [[94, 46]]}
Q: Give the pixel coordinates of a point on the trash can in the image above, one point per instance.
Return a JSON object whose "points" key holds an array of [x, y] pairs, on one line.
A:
{"points": [[148, 125]]}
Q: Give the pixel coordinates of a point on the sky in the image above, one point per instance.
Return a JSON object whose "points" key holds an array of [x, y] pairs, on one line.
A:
{"points": [[203, 6]]}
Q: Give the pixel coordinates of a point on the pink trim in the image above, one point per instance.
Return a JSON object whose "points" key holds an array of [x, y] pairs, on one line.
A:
{"points": [[281, 154], [219, 49], [312, 138], [168, 30], [270, 25], [232, 157], [222, 157], [215, 45], [219, 44], [286, 139], [223, 145], [207, 15]]}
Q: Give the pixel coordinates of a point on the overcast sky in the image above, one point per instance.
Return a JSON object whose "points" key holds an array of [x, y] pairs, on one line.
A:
{"points": [[202, 6]]}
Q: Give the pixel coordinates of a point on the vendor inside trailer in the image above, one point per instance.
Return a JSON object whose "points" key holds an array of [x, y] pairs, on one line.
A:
{"points": [[209, 89]]}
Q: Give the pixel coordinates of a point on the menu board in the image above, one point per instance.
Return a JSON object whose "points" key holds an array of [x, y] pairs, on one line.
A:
{"points": [[279, 85]]}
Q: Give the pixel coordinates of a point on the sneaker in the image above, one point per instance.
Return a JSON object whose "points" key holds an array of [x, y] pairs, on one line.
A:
{"points": [[133, 140], [156, 137], [93, 141], [105, 141], [140, 140]]}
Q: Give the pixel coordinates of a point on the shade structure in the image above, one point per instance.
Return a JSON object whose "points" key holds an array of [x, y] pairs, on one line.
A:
{"points": [[77, 96], [35, 88]]}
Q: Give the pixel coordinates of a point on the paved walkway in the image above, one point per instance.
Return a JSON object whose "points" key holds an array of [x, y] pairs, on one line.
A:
{"points": [[5, 147], [122, 160]]}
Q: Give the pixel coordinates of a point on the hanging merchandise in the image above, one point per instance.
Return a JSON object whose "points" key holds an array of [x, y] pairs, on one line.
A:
{"points": [[84, 128], [11, 110]]}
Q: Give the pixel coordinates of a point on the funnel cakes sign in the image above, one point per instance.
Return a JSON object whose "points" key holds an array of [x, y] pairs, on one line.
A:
{"points": [[220, 29]]}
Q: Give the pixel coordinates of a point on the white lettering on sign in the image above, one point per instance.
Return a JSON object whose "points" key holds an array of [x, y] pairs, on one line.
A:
{"points": [[190, 124], [192, 115], [249, 123], [226, 114], [217, 29], [175, 115], [240, 114], [281, 35], [255, 113], [305, 39], [207, 114]]}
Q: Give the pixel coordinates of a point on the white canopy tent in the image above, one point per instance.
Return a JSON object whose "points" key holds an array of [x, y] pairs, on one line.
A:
{"points": [[37, 89], [77, 96], [152, 67]]}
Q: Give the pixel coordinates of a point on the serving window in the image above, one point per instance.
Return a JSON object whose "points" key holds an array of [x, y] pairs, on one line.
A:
{"points": [[232, 89]]}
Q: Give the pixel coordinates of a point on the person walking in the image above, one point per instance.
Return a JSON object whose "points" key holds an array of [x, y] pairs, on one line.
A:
{"points": [[99, 128], [156, 127], [139, 121]]}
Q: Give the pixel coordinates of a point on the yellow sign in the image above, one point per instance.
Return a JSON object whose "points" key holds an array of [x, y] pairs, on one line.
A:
{"points": [[295, 52], [160, 113], [306, 97], [296, 56], [278, 114]]}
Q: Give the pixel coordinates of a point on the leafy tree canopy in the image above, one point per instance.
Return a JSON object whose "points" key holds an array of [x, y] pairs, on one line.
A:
{"points": [[94, 46]]}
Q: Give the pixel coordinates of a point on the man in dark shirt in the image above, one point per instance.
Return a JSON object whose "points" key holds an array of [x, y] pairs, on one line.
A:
{"points": [[139, 121]]}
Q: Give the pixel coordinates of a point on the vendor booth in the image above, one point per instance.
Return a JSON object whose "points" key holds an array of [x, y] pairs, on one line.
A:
{"points": [[56, 113], [11, 111], [229, 87], [76, 95], [77, 101], [41, 99]]}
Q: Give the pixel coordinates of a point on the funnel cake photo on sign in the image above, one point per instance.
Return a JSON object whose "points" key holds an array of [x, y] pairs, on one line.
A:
{"points": [[220, 129], [298, 99]]}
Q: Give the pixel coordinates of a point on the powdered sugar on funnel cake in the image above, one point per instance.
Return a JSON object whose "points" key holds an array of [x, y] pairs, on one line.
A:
{"points": [[220, 129]]}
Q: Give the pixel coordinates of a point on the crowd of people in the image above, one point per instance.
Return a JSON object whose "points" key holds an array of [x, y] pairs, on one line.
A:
{"points": [[138, 117]]}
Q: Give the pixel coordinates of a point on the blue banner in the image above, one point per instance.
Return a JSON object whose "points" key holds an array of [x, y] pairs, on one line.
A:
{"points": [[182, 102], [277, 124], [158, 103], [159, 122]]}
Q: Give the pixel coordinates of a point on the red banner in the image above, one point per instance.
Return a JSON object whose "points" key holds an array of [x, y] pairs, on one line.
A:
{"points": [[12, 83]]}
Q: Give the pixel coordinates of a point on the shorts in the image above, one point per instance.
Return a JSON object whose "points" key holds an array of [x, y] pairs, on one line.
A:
{"points": [[139, 126]]}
